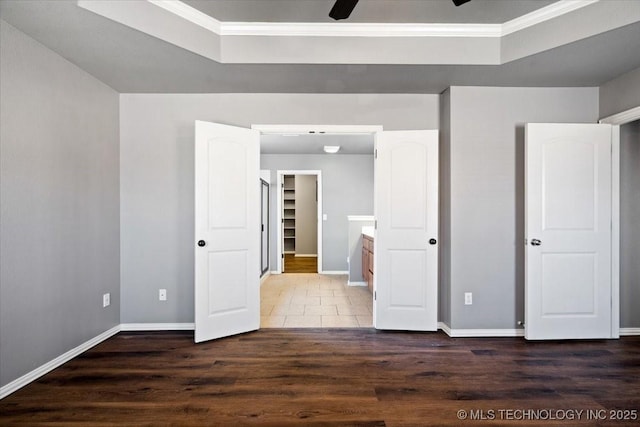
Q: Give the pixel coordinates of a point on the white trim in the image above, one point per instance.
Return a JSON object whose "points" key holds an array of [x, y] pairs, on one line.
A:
{"points": [[349, 283], [157, 327], [627, 332], [623, 117], [274, 272], [327, 129], [347, 29], [541, 15], [617, 120], [444, 328], [334, 272], [264, 277], [361, 218], [53, 364], [615, 231], [481, 333], [307, 255], [191, 14]]}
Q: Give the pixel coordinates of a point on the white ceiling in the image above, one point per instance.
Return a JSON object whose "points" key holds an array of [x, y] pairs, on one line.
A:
{"points": [[314, 143], [379, 11], [131, 61]]}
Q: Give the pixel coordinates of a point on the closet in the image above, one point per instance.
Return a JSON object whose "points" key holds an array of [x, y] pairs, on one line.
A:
{"points": [[289, 214]]}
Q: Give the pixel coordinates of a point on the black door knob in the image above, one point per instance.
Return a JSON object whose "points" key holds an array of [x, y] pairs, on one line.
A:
{"points": [[432, 241], [201, 243], [536, 242]]}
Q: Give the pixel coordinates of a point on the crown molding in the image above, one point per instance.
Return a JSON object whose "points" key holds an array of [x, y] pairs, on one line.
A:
{"points": [[314, 29], [546, 13], [191, 14]]}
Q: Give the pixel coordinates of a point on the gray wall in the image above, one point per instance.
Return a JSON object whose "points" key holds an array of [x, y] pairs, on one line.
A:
{"points": [[620, 94], [156, 172], [487, 193], [630, 225], [347, 189], [60, 205], [306, 215], [444, 267]]}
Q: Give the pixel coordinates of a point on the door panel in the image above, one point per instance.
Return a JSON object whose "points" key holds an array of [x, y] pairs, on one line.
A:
{"points": [[227, 221], [406, 211], [264, 234], [568, 213]]}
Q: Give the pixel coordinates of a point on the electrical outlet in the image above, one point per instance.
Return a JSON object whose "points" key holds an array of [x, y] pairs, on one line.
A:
{"points": [[468, 298], [106, 300], [162, 294]]}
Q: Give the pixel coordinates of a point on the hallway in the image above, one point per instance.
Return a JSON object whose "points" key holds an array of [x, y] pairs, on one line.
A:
{"points": [[299, 300]]}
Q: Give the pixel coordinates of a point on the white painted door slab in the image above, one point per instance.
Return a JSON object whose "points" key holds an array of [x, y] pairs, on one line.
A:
{"points": [[568, 231], [227, 230], [406, 210]]}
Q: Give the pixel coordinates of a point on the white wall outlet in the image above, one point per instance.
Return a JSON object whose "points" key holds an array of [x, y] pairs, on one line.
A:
{"points": [[468, 298], [324, 217], [162, 294], [106, 300]]}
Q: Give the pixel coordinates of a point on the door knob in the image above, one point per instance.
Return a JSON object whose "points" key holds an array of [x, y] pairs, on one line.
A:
{"points": [[432, 241], [201, 243], [535, 242]]}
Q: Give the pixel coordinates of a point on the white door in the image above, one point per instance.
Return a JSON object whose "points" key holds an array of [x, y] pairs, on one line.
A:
{"points": [[405, 246], [568, 231], [227, 230]]}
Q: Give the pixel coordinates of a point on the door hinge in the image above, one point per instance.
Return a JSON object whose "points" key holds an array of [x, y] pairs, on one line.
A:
{"points": [[375, 153], [375, 224], [282, 185], [282, 256], [283, 220], [375, 296]]}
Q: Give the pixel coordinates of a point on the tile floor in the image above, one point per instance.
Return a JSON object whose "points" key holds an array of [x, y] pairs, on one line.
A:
{"points": [[299, 300]]}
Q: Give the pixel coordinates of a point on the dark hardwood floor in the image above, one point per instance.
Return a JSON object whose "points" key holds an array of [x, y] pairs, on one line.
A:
{"points": [[334, 377], [298, 264]]}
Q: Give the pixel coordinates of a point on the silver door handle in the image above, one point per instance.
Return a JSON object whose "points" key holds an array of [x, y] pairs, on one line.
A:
{"points": [[536, 242]]}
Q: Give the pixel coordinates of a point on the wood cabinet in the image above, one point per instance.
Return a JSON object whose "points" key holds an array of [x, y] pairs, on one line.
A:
{"points": [[367, 260]]}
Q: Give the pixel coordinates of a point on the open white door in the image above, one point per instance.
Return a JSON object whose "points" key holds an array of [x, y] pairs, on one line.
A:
{"points": [[406, 211], [227, 230], [568, 231]]}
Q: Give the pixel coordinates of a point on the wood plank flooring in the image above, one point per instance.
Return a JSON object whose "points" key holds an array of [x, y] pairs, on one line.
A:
{"points": [[332, 377], [300, 264]]}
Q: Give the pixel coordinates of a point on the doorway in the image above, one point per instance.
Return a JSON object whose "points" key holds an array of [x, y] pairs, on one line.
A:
{"points": [[300, 210], [227, 218]]}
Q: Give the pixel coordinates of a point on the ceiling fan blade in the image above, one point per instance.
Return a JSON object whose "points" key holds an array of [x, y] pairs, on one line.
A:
{"points": [[459, 2], [342, 9]]}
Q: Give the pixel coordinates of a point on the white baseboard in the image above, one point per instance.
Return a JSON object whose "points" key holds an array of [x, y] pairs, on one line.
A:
{"points": [[625, 332], [275, 272], [157, 327], [53, 364], [356, 283], [307, 255], [444, 328], [334, 272], [469, 333], [264, 277]]}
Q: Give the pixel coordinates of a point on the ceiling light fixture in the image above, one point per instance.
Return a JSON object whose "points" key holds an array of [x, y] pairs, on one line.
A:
{"points": [[331, 149]]}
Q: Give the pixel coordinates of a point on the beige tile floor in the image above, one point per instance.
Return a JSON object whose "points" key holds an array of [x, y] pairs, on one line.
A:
{"points": [[299, 300]]}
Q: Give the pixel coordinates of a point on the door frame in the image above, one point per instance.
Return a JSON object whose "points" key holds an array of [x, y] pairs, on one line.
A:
{"points": [[279, 202], [616, 120], [304, 129]]}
